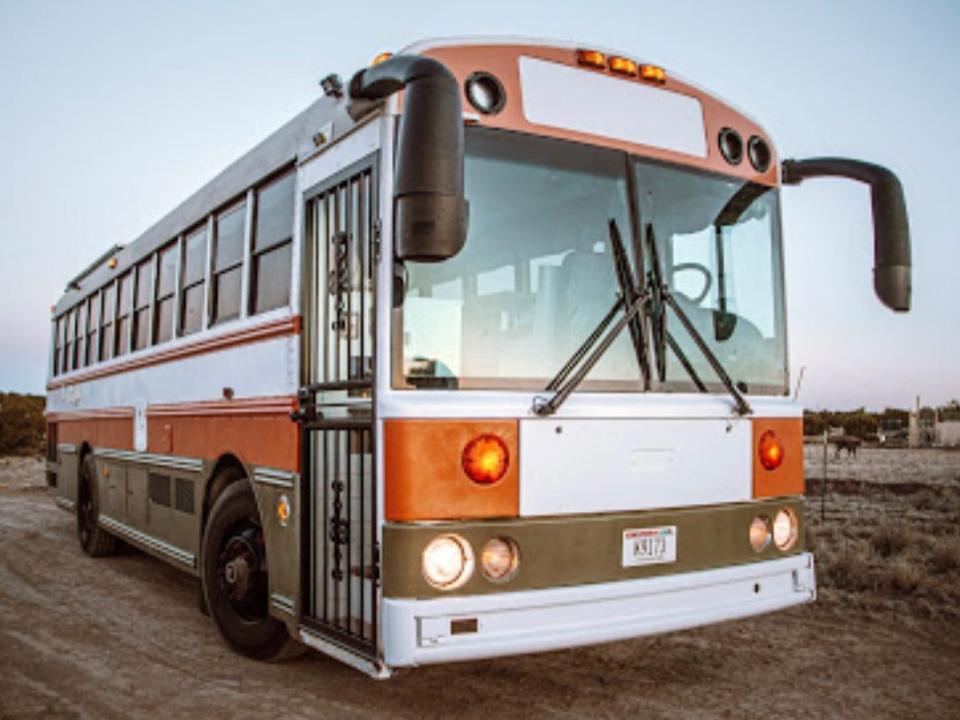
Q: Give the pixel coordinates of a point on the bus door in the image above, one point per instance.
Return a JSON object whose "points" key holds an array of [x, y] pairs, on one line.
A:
{"points": [[340, 551]]}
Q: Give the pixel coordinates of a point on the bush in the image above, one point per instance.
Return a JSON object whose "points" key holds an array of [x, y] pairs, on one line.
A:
{"points": [[890, 540], [22, 426], [945, 556], [904, 577]]}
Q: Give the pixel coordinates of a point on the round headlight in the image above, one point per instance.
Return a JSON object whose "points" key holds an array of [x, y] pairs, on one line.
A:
{"points": [[759, 533], [485, 92], [785, 529], [499, 559], [447, 562]]}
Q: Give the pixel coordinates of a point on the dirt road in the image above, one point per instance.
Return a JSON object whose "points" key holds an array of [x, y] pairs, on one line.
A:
{"points": [[122, 637]]}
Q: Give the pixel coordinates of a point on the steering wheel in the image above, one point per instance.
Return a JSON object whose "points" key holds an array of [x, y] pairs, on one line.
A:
{"points": [[707, 278]]}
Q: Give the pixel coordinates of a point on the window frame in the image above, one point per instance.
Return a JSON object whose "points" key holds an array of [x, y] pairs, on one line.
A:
{"points": [[202, 227], [239, 206], [174, 246], [120, 316], [286, 240], [92, 348], [149, 264]]}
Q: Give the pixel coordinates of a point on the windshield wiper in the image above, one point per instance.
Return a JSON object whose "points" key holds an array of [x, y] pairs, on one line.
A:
{"points": [[660, 296], [631, 300]]}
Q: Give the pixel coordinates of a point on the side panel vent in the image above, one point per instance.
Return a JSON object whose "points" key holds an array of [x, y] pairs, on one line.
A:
{"points": [[184, 498], [158, 488]]}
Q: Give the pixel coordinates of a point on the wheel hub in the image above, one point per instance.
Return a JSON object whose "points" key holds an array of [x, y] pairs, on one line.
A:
{"points": [[241, 570]]}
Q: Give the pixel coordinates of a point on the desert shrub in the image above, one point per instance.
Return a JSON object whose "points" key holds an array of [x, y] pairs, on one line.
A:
{"points": [[903, 577], [849, 570], [22, 426], [889, 540], [945, 555]]}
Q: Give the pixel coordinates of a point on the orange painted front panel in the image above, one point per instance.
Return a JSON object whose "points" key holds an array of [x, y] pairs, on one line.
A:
{"points": [[788, 478], [425, 478]]}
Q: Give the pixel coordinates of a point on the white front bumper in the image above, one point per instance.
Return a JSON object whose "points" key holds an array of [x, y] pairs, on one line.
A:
{"points": [[418, 632]]}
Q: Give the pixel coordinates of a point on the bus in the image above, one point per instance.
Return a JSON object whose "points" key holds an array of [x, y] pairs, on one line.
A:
{"points": [[483, 353]]}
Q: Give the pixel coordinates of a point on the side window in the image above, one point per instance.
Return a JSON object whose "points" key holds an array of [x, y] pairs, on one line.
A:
{"points": [[108, 307], [166, 285], [227, 263], [191, 299], [93, 322], [141, 316], [80, 345], [68, 347], [125, 305], [58, 352], [273, 231]]}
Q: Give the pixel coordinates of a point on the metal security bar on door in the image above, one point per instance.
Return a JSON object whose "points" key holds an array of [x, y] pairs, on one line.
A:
{"points": [[337, 415]]}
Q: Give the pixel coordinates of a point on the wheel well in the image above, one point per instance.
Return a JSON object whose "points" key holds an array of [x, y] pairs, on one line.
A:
{"points": [[227, 470]]}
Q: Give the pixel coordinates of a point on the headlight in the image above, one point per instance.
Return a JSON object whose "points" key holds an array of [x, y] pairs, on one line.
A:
{"points": [[759, 533], [785, 529], [447, 562], [499, 559]]}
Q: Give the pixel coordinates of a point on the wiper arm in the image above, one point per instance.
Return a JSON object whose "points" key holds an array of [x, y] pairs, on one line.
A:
{"points": [[661, 295], [631, 301], [544, 406]]}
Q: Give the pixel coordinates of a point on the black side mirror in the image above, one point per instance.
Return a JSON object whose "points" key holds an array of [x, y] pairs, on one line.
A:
{"points": [[891, 231], [431, 213]]}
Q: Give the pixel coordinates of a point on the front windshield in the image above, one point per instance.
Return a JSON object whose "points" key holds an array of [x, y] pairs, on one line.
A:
{"points": [[536, 276]]}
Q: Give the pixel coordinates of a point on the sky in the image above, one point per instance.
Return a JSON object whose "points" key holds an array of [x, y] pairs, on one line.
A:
{"points": [[112, 112]]}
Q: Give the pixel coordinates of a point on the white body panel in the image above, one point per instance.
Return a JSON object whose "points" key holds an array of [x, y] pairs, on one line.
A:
{"points": [[573, 99], [418, 631], [608, 465], [268, 368]]}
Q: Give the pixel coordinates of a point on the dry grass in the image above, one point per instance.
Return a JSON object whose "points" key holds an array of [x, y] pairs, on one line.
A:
{"points": [[893, 546]]}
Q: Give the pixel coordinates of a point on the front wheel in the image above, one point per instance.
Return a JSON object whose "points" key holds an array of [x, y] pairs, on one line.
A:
{"points": [[234, 577]]}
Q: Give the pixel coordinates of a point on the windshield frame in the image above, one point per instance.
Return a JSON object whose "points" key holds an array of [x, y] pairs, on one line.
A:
{"points": [[640, 262]]}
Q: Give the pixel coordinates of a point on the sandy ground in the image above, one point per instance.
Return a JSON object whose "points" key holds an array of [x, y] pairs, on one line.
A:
{"points": [[122, 637]]}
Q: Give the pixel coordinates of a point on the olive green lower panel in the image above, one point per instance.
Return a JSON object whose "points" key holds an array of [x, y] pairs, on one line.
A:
{"points": [[580, 549], [282, 538]]}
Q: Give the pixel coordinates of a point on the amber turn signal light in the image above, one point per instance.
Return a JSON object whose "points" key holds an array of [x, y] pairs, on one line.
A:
{"points": [[623, 66], [770, 450], [485, 459], [592, 58], [654, 73]]}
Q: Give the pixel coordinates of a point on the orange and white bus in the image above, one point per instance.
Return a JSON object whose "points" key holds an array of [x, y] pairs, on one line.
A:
{"points": [[483, 353]]}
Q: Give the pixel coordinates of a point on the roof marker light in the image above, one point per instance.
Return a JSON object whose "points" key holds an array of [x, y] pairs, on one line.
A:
{"points": [[654, 73], [592, 58], [623, 66]]}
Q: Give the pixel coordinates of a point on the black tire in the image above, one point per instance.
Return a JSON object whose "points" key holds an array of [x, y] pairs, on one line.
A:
{"points": [[235, 581], [95, 541]]}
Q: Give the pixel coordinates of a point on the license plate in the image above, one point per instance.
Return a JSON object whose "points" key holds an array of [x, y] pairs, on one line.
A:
{"points": [[650, 546]]}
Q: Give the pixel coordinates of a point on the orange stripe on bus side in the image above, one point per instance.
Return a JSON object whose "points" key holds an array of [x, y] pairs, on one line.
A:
{"points": [[252, 431], [425, 478]]}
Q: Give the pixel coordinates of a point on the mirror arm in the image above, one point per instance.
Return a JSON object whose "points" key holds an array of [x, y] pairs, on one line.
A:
{"points": [[891, 230]]}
